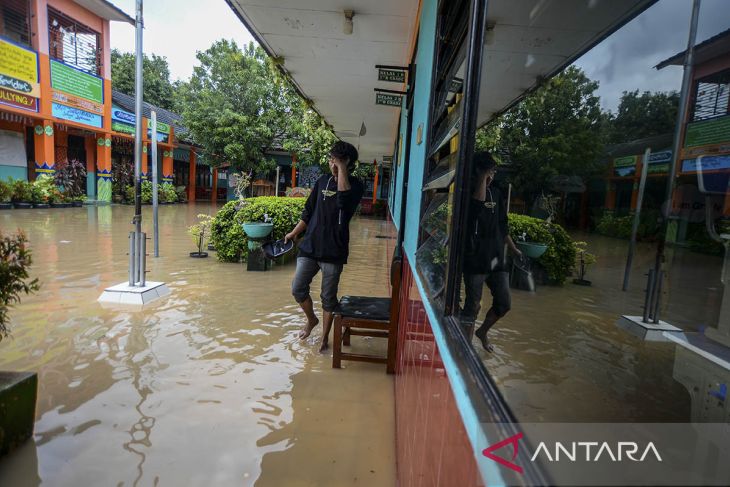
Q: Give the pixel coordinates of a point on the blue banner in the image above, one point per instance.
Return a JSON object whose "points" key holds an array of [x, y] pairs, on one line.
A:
{"points": [[76, 115], [123, 116]]}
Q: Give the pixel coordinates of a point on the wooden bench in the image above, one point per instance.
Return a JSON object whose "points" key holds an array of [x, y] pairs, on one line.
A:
{"points": [[372, 317]]}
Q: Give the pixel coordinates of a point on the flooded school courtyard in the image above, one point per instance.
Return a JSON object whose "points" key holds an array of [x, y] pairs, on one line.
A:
{"points": [[211, 386]]}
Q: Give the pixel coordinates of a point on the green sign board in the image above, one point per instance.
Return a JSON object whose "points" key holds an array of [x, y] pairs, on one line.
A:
{"points": [[122, 128], [658, 168], [394, 75], [163, 128], [388, 99], [707, 132], [75, 82], [626, 161]]}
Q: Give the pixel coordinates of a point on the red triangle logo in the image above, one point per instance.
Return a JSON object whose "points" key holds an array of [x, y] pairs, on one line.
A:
{"points": [[487, 452]]}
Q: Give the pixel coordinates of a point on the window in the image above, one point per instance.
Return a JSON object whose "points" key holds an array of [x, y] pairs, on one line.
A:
{"points": [[15, 21], [712, 96], [73, 43]]}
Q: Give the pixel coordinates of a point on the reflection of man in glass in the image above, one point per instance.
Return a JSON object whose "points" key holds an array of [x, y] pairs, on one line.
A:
{"points": [[484, 256]]}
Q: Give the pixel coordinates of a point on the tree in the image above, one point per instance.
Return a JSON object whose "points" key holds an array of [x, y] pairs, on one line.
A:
{"points": [[157, 88], [15, 261], [236, 106], [553, 131], [642, 115]]}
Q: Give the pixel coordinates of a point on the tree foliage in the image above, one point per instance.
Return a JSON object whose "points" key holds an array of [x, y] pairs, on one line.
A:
{"points": [[642, 115], [157, 88], [553, 131], [15, 261]]}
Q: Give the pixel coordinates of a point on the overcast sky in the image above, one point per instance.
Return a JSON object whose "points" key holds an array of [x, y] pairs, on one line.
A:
{"points": [[177, 29]]}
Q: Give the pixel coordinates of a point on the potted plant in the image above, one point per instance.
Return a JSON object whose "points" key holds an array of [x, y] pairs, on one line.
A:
{"points": [[42, 189], [6, 194], [78, 201], [200, 233], [18, 390], [22, 194], [583, 260], [182, 194]]}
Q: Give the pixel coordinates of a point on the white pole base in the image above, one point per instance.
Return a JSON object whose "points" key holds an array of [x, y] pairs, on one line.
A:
{"points": [[137, 296]]}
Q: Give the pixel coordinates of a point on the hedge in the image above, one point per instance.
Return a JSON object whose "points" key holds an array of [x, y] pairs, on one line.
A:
{"points": [[559, 258], [227, 235]]}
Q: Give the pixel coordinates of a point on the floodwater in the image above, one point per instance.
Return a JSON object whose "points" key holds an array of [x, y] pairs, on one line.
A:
{"points": [[560, 357], [208, 386]]}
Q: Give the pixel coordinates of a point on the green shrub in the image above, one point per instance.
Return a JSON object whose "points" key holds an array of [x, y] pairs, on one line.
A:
{"points": [[182, 194], [620, 226], [6, 191], [146, 193], [227, 232], [15, 260], [44, 190], [167, 193], [559, 257], [22, 191]]}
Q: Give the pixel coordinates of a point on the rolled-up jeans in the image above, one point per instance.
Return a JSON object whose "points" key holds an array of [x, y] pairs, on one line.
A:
{"points": [[306, 270], [498, 283]]}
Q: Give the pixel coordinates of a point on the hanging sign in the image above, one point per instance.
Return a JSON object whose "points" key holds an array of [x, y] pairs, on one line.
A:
{"points": [[388, 99], [391, 75]]}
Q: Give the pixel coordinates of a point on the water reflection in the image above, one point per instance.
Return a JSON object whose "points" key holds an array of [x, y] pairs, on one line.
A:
{"points": [[560, 356], [196, 389]]}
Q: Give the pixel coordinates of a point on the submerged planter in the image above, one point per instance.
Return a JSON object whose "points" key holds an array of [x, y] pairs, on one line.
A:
{"points": [[21, 205], [531, 250], [6, 206], [199, 255], [18, 391], [60, 205], [77, 204], [41, 205]]}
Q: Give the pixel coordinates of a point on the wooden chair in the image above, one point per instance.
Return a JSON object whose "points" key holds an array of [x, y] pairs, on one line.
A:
{"points": [[369, 316]]}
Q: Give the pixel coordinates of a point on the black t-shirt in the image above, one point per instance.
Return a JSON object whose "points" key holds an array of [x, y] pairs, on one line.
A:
{"points": [[327, 214], [485, 234]]}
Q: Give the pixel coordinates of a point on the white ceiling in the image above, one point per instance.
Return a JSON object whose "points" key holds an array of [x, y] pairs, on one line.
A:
{"points": [[531, 38], [337, 71]]}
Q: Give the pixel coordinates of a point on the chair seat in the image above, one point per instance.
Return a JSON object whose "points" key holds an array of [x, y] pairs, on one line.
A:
{"points": [[364, 307]]}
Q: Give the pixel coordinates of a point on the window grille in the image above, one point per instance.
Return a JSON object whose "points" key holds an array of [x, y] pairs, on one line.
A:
{"points": [[73, 43], [712, 96], [15, 21]]}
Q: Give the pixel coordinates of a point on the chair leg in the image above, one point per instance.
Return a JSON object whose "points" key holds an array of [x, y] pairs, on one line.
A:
{"points": [[346, 339], [337, 345]]}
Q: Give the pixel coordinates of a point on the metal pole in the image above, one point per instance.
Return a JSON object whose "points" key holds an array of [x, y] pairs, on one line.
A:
{"points": [[155, 200], [637, 217], [509, 196], [137, 221], [278, 168], [681, 115]]}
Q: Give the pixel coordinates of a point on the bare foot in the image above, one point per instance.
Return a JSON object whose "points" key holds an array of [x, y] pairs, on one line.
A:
{"points": [[482, 336], [307, 330], [324, 347]]}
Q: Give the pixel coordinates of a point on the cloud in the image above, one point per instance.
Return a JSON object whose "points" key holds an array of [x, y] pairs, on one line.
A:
{"points": [[625, 61], [177, 29]]}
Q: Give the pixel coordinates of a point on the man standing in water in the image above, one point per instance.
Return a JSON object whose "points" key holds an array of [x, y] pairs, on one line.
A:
{"points": [[325, 246], [484, 259]]}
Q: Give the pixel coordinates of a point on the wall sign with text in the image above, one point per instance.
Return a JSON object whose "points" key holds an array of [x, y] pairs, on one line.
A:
{"points": [[19, 86], [77, 96]]}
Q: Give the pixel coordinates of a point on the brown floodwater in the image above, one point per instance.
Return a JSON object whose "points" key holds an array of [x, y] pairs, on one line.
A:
{"points": [[560, 357], [208, 386]]}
